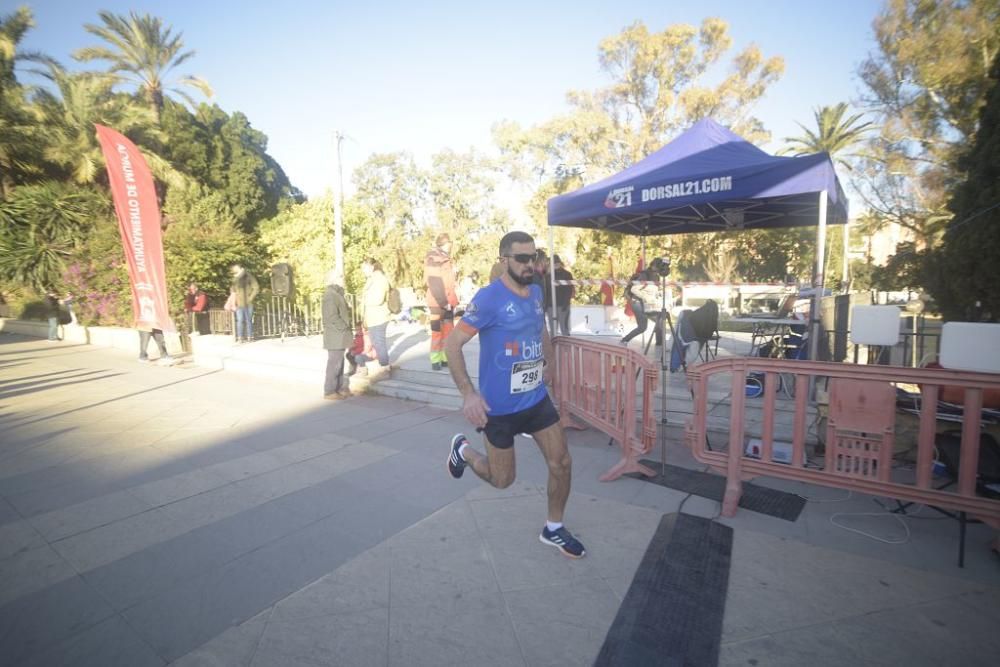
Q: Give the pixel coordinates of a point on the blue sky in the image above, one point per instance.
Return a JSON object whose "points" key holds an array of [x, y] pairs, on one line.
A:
{"points": [[421, 77]]}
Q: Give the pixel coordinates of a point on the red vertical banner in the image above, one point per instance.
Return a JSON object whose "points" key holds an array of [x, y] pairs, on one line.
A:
{"points": [[139, 223]]}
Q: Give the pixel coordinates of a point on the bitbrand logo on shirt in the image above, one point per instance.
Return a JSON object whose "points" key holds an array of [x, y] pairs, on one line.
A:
{"points": [[524, 350]]}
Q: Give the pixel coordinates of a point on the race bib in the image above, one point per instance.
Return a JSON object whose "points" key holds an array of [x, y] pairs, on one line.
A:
{"points": [[525, 376]]}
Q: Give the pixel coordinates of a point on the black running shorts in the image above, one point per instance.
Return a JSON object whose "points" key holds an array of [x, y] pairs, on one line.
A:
{"points": [[501, 429]]}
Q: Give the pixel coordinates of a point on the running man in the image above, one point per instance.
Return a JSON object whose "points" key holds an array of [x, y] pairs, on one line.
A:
{"points": [[512, 398]]}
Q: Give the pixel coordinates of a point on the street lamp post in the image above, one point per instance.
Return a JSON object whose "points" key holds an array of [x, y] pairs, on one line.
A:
{"points": [[338, 214]]}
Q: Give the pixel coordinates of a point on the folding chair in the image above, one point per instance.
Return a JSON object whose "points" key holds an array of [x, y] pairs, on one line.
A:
{"points": [[705, 322]]}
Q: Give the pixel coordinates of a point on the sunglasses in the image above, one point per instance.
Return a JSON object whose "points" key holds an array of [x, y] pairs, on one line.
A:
{"points": [[523, 257]]}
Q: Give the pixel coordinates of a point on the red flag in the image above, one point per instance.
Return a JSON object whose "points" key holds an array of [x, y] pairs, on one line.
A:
{"points": [[139, 223]]}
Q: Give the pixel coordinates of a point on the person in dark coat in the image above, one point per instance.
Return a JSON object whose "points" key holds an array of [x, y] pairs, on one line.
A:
{"points": [[337, 338]]}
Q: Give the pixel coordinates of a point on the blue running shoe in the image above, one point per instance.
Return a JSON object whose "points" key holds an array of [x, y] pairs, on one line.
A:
{"points": [[456, 464], [563, 540]]}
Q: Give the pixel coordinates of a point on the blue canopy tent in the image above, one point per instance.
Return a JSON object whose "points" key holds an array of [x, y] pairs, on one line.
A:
{"points": [[710, 179]]}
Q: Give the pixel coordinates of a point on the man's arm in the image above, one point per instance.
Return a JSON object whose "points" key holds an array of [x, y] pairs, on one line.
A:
{"points": [[473, 406], [549, 357], [456, 360]]}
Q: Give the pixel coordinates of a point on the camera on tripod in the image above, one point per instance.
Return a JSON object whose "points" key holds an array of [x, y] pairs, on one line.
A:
{"points": [[660, 266]]}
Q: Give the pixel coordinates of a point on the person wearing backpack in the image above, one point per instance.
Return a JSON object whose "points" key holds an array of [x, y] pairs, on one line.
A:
{"points": [[441, 299], [375, 312]]}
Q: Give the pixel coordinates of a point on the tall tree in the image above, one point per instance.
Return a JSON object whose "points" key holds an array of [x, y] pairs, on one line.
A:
{"points": [[393, 189], [142, 51], [41, 226], [660, 84], [834, 134], [224, 152], [69, 113], [20, 132], [964, 270], [925, 85]]}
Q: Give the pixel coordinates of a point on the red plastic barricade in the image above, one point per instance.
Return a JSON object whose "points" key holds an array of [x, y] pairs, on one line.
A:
{"points": [[859, 432], [599, 384]]}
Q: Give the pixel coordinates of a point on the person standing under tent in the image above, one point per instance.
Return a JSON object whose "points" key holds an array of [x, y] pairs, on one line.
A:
{"points": [[642, 293], [564, 294]]}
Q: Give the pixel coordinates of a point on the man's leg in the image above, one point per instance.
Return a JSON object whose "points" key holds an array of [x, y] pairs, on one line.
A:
{"points": [[380, 344], [496, 468], [563, 314], [437, 338], [552, 442], [240, 319], [144, 337]]}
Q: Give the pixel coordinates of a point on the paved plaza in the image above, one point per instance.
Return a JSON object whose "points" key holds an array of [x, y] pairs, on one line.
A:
{"points": [[195, 516]]}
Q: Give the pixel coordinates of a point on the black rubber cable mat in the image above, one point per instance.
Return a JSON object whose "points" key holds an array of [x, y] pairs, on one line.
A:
{"points": [[672, 613], [779, 504]]}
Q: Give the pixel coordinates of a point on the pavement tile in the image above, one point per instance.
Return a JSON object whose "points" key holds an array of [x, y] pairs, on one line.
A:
{"points": [[523, 512], [110, 642], [428, 571], [35, 622], [88, 514], [944, 632], [106, 544], [234, 647], [817, 646], [246, 466], [17, 536], [153, 570], [521, 561], [361, 584], [32, 570], [579, 615], [355, 638], [453, 523], [192, 612], [438, 634], [169, 490], [214, 505]]}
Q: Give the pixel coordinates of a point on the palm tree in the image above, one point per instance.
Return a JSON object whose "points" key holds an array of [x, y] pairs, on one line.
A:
{"points": [[20, 133], [85, 99], [142, 52], [41, 227], [834, 134]]}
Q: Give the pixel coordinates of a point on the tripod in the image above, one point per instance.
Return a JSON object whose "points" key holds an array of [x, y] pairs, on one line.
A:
{"points": [[663, 317]]}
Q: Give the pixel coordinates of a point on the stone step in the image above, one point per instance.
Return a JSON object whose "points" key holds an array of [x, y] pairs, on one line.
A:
{"points": [[424, 393]]}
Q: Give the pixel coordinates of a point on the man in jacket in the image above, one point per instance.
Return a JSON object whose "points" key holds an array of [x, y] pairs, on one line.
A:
{"points": [[337, 337], [196, 307], [375, 311], [245, 289], [441, 299]]}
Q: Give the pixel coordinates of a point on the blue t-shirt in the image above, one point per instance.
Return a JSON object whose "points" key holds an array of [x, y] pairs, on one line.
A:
{"points": [[510, 346]]}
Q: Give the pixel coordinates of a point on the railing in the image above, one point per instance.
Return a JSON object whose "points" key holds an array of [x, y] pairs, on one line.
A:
{"points": [[220, 321], [858, 451], [598, 384], [276, 316], [280, 316]]}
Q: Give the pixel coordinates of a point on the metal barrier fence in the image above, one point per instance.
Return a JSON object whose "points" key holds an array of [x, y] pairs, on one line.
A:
{"points": [[276, 316], [281, 317], [599, 384], [859, 431]]}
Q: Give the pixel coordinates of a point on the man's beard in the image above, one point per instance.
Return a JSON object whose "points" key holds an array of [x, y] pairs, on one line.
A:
{"points": [[518, 278]]}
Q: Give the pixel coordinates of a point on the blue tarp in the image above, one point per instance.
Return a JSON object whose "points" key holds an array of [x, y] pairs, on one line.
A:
{"points": [[707, 179]]}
